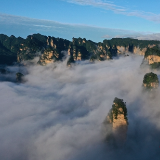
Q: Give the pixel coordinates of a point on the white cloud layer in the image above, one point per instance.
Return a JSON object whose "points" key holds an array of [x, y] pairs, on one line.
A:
{"points": [[154, 36], [58, 113], [99, 3], [118, 9]]}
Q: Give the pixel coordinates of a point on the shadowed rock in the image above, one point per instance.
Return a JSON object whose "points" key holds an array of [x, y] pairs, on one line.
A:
{"points": [[19, 77]]}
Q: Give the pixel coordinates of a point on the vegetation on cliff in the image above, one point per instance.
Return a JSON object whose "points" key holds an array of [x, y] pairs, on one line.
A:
{"points": [[116, 123], [150, 80], [130, 42], [155, 65], [14, 49], [153, 51], [152, 55], [115, 110]]}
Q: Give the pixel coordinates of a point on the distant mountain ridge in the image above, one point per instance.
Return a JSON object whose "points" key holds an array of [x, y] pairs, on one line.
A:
{"points": [[49, 49]]}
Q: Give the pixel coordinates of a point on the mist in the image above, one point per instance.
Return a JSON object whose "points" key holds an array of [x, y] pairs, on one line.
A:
{"points": [[57, 114]]}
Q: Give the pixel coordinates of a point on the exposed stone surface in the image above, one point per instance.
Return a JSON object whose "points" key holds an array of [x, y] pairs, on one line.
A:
{"points": [[117, 118], [79, 57], [50, 43], [69, 51], [150, 80], [46, 57], [153, 59], [120, 127], [137, 50], [153, 85], [122, 49]]}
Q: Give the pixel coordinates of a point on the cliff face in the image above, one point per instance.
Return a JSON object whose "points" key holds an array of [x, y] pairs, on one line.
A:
{"points": [[79, 56], [152, 56], [104, 53], [47, 57], [150, 80], [152, 85], [50, 42], [14, 49], [133, 49], [153, 59], [120, 126], [118, 121], [137, 50], [122, 49]]}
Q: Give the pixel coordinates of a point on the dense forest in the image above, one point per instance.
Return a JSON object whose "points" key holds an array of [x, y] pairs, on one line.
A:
{"points": [[16, 49], [114, 111], [153, 51]]}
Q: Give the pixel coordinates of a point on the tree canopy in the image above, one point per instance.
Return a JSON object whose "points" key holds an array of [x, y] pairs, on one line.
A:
{"points": [[115, 110]]}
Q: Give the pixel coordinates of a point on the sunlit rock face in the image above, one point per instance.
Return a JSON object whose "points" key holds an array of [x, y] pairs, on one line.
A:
{"points": [[50, 43], [47, 57], [122, 49], [120, 126], [103, 52], [137, 50], [69, 51], [152, 56], [150, 81], [79, 57], [153, 59], [117, 120], [134, 49]]}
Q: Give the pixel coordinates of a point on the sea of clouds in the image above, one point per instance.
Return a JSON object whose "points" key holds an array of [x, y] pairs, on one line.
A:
{"points": [[57, 114]]}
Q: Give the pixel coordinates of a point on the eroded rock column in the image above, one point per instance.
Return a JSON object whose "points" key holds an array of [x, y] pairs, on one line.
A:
{"points": [[117, 120]]}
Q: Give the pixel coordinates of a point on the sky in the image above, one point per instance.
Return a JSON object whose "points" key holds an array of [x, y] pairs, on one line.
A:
{"points": [[80, 18]]}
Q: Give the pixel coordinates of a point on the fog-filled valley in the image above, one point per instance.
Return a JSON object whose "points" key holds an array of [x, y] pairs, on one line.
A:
{"points": [[58, 112], [79, 80]]}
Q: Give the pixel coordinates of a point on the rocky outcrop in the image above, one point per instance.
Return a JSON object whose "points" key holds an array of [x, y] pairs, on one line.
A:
{"points": [[120, 126], [102, 52], [69, 51], [18, 49], [137, 50], [152, 56], [79, 57], [153, 59], [47, 57], [117, 119], [19, 77], [150, 81], [133, 49], [122, 49], [76, 53], [50, 43], [152, 85], [151, 46]]}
